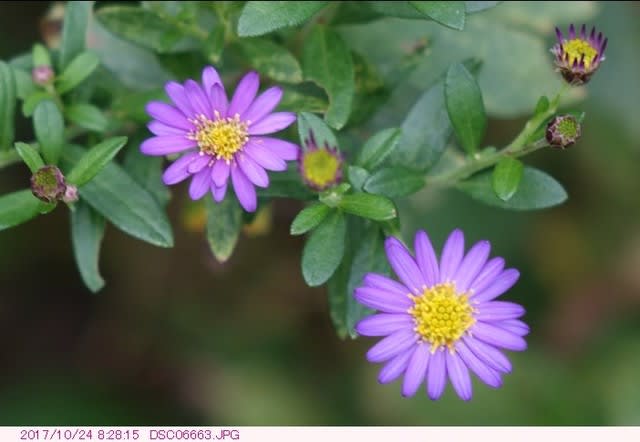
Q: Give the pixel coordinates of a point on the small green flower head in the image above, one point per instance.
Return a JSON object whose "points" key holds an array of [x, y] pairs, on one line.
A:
{"points": [[563, 131], [320, 167], [42, 75], [48, 184], [579, 56]]}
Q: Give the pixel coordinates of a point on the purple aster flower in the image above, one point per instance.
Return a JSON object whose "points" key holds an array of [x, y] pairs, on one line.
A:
{"points": [[220, 139], [579, 56], [441, 320], [320, 167]]}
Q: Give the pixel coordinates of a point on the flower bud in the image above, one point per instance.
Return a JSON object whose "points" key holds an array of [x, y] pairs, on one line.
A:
{"points": [[48, 185], [42, 75], [320, 167], [563, 131], [70, 194]]}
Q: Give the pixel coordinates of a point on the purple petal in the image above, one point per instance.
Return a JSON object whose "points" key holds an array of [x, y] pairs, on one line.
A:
{"points": [[283, 149], [176, 92], [244, 94], [168, 115], [265, 103], [219, 192], [486, 374], [220, 172], [416, 370], [166, 144], [158, 128], [199, 163], [198, 99], [452, 253], [572, 32], [272, 123], [394, 368], [459, 376], [436, 375], [200, 184], [381, 300], [515, 326], [209, 78], [498, 337], [244, 190], [391, 346], [177, 171], [219, 101], [501, 284], [488, 354], [264, 157], [426, 258], [403, 265], [498, 310], [382, 282], [472, 265], [559, 35], [384, 324], [252, 170], [487, 275]]}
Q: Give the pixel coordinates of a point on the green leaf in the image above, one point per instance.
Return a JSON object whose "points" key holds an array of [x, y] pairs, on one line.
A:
{"points": [[48, 125], [132, 105], [94, 160], [324, 249], [394, 182], [30, 156], [40, 55], [262, 17], [304, 97], [87, 116], [465, 107], [122, 201], [7, 105], [147, 171], [506, 177], [24, 83], [357, 177], [541, 106], [308, 123], [537, 190], [18, 207], [87, 231], [31, 102], [477, 6], [77, 71], [378, 147], [74, 31], [309, 218], [366, 205], [224, 223], [327, 61], [448, 13], [271, 59]]}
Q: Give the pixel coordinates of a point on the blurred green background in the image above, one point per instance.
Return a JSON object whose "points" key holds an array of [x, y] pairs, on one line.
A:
{"points": [[176, 338]]}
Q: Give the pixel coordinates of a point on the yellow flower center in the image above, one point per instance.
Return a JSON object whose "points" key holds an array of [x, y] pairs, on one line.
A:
{"points": [[442, 315], [320, 167], [221, 137], [576, 48]]}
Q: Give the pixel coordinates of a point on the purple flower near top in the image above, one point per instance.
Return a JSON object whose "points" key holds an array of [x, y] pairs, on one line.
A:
{"points": [[220, 139], [579, 56], [442, 320]]}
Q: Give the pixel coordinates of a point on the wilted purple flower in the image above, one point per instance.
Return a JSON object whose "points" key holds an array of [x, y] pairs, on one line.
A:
{"points": [[320, 167], [220, 139], [441, 320], [578, 57]]}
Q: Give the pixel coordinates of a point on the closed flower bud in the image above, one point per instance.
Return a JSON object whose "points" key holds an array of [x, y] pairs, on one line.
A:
{"points": [[320, 167], [563, 131], [42, 75], [48, 184]]}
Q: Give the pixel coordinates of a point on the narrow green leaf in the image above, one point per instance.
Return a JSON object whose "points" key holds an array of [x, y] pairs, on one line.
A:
{"points": [[309, 218], [506, 177], [121, 200], [327, 61], [40, 55], [465, 107], [357, 177], [87, 116], [224, 223], [271, 59], [48, 125], [94, 160], [448, 13], [366, 205], [7, 105], [324, 249], [537, 190], [87, 231], [542, 105], [74, 31], [77, 71], [378, 147], [24, 83], [394, 182], [308, 123], [147, 171], [33, 100], [30, 156], [18, 207], [262, 17]]}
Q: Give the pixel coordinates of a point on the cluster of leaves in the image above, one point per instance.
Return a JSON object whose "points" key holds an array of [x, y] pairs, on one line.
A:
{"points": [[329, 64]]}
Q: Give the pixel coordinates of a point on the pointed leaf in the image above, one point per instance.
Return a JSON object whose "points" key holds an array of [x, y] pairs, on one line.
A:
{"points": [[77, 71], [323, 134], [48, 125], [87, 231], [224, 223], [378, 147], [506, 177], [74, 31], [30, 156], [324, 249], [94, 160], [18, 207], [261, 17], [448, 13], [366, 205], [394, 182], [309, 218], [7, 105]]}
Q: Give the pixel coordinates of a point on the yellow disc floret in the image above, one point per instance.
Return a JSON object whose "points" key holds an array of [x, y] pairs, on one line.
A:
{"points": [[442, 315], [320, 167], [220, 137], [577, 48]]}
